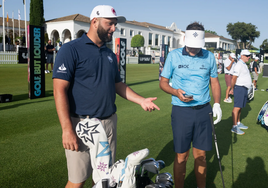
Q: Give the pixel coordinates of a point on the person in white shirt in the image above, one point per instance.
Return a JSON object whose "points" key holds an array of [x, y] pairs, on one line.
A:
{"points": [[251, 65], [241, 82], [255, 72], [228, 64]]}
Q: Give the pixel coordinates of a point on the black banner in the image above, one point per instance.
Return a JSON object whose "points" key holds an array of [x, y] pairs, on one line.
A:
{"points": [[237, 52], [23, 55], [121, 52], [265, 70], [36, 62], [145, 59]]}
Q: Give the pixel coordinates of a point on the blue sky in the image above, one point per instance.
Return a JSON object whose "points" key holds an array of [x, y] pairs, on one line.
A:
{"points": [[213, 14]]}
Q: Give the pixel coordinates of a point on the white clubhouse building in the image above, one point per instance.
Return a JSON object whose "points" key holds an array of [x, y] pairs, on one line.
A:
{"points": [[71, 27]]}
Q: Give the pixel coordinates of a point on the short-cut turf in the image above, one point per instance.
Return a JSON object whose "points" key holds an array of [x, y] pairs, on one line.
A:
{"points": [[31, 152]]}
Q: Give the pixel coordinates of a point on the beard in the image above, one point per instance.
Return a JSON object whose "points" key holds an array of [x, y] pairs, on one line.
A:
{"points": [[103, 34]]}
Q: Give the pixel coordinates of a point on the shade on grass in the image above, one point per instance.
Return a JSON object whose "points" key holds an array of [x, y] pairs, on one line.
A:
{"points": [[31, 152]]}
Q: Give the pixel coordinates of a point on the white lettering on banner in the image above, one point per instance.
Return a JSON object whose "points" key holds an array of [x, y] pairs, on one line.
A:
{"points": [[37, 63], [145, 59], [24, 55], [122, 60]]}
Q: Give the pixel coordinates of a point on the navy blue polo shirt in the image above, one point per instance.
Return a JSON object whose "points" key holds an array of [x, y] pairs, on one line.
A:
{"points": [[92, 73]]}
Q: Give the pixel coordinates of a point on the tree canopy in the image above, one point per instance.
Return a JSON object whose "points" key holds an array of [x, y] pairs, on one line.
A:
{"points": [[264, 45], [137, 41], [243, 33], [213, 32], [37, 13]]}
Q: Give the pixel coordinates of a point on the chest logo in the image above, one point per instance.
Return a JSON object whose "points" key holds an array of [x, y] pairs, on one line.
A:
{"points": [[110, 59], [183, 66], [203, 67]]}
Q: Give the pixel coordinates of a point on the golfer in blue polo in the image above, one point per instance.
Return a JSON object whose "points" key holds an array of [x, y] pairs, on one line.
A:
{"points": [[192, 69]]}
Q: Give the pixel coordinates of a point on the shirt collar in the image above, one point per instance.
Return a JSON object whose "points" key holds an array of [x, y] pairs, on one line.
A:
{"points": [[184, 52], [87, 40], [242, 61]]}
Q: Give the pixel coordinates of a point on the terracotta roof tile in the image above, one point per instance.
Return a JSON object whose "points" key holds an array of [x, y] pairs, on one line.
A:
{"points": [[75, 17], [210, 35], [16, 23], [146, 24]]}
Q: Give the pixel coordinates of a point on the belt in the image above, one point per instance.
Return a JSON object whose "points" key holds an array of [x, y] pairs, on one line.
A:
{"points": [[198, 106], [88, 116], [228, 74]]}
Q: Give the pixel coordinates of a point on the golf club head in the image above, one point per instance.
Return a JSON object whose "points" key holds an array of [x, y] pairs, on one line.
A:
{"points": [[167, 184], [139, 167], [164, 177], [152, 167], [161, 164], [155, 185]]}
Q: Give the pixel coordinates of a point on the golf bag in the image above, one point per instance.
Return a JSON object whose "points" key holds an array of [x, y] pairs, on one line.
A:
{"points": [[263, 116], [251, 92], [123, 173]]}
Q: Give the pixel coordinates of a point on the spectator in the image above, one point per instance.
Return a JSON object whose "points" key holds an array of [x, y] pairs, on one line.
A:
{"points": [[228, 64], [50, 54], [241, 82], [153, 57], [255, 74]]}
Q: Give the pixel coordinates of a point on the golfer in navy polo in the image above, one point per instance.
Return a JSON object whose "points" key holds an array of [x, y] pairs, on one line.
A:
{"points": [[192, 69], [86, 80]]}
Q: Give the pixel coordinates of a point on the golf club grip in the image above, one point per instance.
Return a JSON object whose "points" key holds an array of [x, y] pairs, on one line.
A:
{"points": [[212, 124], [104, 183]]}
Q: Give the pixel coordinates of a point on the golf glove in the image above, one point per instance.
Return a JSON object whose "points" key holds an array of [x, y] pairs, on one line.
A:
{"points": [[217, 112]]}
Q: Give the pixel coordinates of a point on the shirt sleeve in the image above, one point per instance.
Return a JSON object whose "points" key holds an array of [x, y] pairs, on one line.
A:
{"points": [[118, 72], [168, 69], [237, 69], [213, 71], [65, 63]]}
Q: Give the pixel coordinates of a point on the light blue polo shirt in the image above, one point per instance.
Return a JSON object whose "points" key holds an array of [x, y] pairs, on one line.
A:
{"points": [[191, 74]]}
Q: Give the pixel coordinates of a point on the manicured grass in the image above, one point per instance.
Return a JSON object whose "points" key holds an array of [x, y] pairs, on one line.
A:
{"points": [[31, 152]]}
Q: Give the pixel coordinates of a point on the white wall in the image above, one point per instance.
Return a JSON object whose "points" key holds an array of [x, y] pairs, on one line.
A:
{"points": [[144, 32]]}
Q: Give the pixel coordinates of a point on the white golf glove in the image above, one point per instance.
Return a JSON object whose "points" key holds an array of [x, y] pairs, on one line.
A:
{"points": [[217, 112]]}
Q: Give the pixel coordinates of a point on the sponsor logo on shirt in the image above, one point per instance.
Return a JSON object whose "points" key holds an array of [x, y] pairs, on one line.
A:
{"points": [[110, 59], [62, 69], [203, 67], [183, 66]]}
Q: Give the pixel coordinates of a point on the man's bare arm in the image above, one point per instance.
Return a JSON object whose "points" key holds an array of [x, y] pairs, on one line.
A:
{"points": [[69, 138]]}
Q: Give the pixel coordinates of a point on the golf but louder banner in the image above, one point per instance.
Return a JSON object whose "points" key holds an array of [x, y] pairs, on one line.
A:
{"points": [[36, 62], [121, 51]]}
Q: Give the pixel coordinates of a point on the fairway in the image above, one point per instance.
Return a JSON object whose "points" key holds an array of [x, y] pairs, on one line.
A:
{"points": [[31, 152]]}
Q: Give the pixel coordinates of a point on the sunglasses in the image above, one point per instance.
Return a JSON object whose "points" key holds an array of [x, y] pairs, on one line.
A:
{"points": [[247, 55]]}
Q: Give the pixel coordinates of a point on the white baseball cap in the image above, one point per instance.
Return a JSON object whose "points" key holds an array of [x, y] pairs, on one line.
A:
{"points": [[195, 38], [106, 11], [245, 52], [232, 55], [256, 58]]}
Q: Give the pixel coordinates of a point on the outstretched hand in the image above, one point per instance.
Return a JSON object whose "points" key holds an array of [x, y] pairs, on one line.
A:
{"points": [[148, 105]]}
